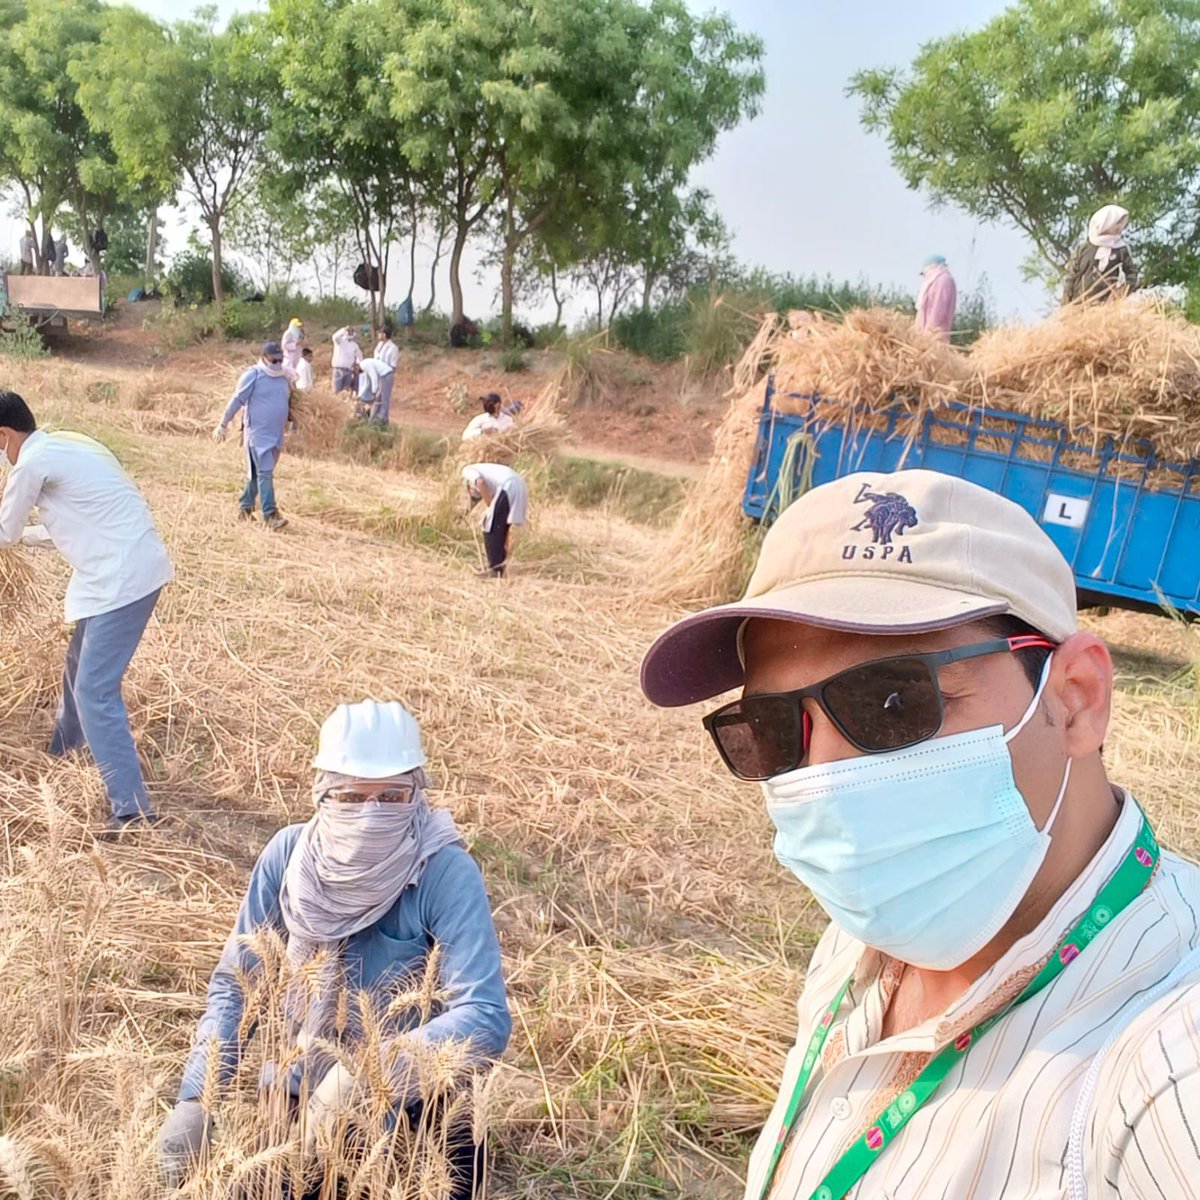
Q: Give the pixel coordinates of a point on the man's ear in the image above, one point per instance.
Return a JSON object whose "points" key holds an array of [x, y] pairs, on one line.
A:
{"points": [[1081, 681]]}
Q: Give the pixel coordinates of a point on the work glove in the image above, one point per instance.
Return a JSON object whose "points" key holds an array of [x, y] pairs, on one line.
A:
{"points": [[183, 1135], [332, 1099], [219, 433]]}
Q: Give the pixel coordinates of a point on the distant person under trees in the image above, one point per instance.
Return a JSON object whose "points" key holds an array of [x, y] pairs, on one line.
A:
{"points": [[938, 297], [1101, 267], [28, 250]]}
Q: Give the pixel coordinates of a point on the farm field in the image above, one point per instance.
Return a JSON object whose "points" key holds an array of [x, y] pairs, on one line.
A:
{"points": [[652, 945]]}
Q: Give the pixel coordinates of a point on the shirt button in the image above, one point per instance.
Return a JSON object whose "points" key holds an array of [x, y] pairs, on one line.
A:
{"points": [[841, 1108]]}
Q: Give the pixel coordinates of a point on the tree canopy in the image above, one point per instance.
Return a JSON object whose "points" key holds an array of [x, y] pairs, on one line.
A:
{"points": [[1051, 110]]}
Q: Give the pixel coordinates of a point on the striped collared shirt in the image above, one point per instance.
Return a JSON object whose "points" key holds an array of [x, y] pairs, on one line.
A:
{"points": [[999, 1127]]}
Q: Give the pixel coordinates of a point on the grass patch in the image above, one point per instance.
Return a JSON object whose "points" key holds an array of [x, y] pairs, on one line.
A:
{"points": [[513, 359], [645, 497]]}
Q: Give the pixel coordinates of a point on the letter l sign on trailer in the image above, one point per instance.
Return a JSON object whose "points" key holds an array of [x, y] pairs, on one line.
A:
{"points": [[1065, 510]]}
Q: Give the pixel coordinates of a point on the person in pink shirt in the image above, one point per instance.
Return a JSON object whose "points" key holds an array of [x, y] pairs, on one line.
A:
{"points": [[938, 297]]}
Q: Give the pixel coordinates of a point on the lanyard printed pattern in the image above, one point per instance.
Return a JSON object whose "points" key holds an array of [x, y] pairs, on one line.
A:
{"points": [[1126, 884]]}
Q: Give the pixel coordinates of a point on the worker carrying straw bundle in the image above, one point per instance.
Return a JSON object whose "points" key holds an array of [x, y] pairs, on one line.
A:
{"points": [[925, 720], [366, 894], [94, 515]]}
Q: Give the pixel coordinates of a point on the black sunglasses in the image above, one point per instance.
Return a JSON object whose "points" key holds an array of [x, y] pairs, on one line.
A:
{"points": [[885, 704]]}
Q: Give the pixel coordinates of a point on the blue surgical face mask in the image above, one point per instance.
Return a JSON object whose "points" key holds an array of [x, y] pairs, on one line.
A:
{"points": [[922, 853]]}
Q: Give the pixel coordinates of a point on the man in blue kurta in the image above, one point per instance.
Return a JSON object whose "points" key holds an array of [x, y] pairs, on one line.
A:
{"points": [[264, 392], [375, 890]]}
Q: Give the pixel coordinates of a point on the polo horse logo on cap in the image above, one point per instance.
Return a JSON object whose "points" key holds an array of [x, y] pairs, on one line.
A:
{"points": [[889, 515]]}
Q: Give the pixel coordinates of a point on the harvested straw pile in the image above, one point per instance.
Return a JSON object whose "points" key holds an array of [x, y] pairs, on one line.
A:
{"points": [[319, 417], [1125, 370], [31, 608], [538, 430], [866, 360], [709, 552]]}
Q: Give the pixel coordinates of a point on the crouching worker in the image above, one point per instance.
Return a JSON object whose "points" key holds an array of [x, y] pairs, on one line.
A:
{"points": [[373, 890]]}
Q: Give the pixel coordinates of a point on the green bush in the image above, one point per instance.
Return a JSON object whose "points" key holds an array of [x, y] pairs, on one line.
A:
{"points": [[513, 359], [658, 333], [19, 339], [189, 280]]}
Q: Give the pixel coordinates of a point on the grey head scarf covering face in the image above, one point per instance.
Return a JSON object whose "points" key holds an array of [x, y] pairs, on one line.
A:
{"points": [[347, 869]]}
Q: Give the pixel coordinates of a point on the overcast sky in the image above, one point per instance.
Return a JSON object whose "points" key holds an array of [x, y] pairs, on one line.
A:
{"points": [[802, 187]]}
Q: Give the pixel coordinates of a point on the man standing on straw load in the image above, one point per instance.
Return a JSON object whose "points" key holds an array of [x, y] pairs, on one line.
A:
{"points": [[373, 893], [937, 298], [1101, 267], [264, 391], [925, 719], [507, 498], [94, 515], [347, 354]]}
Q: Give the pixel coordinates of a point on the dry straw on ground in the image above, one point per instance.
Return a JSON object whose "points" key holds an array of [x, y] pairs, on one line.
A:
{"points": [[651, 944]]}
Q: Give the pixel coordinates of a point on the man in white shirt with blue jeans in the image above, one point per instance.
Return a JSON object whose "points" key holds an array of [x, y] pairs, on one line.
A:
{"points": [[93, 513]]}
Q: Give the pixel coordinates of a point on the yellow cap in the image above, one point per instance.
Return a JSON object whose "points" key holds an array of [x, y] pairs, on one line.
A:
{"points": [[908, 552]]}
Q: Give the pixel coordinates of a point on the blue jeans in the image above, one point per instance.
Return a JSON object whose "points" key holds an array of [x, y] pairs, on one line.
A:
{"points": [[383, 400], [92, 711], [261, 483]]}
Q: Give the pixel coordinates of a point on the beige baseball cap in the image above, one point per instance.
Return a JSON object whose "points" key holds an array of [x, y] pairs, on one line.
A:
{"points": [[907, 552]]}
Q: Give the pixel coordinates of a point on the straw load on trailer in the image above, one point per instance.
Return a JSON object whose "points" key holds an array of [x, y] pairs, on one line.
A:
{"points": [[1123, 376]]}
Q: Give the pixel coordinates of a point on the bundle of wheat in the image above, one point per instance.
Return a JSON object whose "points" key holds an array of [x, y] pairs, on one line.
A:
{"points": [[1126, 370]]}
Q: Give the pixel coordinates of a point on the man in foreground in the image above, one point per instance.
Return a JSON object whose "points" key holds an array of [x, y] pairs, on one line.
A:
{"points": [[375, 891], [94, 515], [1007, 1003], [264, 391]]}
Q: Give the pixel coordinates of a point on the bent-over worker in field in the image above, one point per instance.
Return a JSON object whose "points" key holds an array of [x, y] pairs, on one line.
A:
{"points": [[264, 392], [506, 495], [493, 419], [94, 515], [347, 354], [1007, 1001], [363, 894], [1101, 266], [374, 381], [937, 298]]}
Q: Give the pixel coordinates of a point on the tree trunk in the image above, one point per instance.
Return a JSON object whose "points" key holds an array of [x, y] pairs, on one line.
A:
{"points": [[461, 230], [507, 262], [558, 300], [437, 260], [218, 290], [412, 257], [152, 244]]}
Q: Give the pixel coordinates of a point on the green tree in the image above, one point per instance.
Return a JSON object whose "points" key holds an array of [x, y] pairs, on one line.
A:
{"points": [[50, 154], [560, 113], [1051, 110], [184, 105], [332, 125]]}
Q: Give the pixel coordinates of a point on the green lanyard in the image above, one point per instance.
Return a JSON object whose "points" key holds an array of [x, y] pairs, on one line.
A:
{"points": [[1122, 889]]}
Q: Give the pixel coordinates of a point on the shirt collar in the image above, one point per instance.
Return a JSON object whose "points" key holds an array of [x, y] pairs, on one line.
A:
{"points": [[1006, 978]]}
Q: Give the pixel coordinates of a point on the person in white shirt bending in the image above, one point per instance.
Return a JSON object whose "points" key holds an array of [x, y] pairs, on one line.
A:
{"points": [[374, 390], [94, 515], [506, 495]]}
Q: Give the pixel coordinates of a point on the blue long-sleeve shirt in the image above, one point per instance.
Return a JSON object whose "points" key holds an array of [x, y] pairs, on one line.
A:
{"points": [[265, 398], [447, 906]]}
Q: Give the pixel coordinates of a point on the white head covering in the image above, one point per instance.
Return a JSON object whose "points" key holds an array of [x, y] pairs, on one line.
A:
{"points": [[1106, 230], [347, 869]]}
